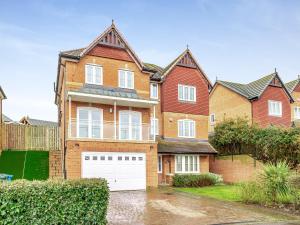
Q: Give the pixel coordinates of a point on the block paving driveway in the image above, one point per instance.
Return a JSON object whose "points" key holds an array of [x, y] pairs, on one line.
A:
{"points": [[164, 207]]}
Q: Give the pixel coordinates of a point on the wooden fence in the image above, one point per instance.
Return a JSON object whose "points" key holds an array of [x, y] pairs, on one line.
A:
{"points": [[27, 137]]}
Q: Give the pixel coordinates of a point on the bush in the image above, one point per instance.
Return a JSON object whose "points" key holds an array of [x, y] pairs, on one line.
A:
{"points": [[82, 201], [196, 180], [252, 192], [272, 187], [275, 180], [294, 181]]}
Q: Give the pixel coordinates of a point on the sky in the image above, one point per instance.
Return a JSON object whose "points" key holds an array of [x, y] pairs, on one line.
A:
{"points": [[234, 40]]}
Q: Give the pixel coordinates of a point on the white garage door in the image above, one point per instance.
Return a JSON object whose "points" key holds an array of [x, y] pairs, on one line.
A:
{"points": [[123, 171]]}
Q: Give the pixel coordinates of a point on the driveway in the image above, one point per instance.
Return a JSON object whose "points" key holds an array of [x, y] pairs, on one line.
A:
{"points": [[164, 206]]}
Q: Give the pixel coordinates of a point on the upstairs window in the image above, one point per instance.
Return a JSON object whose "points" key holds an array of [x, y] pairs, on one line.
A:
{"points": [[297, 113], [93, 74], [212, 118], [186, 93], [154, 121], [89, 122], [275, 108], [186, 128], [126, 79], [154, 91]]}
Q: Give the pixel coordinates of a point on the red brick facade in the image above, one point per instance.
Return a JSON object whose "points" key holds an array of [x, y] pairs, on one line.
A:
{"points": [[260, 111], [185, 76], [109, 52]]}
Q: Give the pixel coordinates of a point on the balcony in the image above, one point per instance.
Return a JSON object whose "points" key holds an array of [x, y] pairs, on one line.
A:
{"points": [[109, 131]]}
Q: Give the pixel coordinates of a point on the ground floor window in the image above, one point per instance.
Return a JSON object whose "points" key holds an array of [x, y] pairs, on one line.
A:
{"points": [[187, 164], [297, 113], [159, 163]]}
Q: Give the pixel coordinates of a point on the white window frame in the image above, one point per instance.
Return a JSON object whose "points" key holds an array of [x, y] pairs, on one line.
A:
{"points": [[183, 163], [126, 78], [188, 89], [154, 120], [210, 118], [190, 122], [94, 66], [272, 102], [90, 109], [159, 162], [130, 113], [152, 94], [296, 117]]}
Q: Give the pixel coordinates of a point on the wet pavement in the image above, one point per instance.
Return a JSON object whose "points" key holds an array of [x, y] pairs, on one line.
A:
{"points": [[164, 207]]}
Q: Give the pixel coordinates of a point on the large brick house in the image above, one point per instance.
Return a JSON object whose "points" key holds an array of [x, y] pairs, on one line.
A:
{"points": [[130, 122], [294, 89], [264, 102]]}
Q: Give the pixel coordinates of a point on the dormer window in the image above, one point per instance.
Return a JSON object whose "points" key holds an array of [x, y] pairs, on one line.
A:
{"points": [[93, 74], [126, 79]]}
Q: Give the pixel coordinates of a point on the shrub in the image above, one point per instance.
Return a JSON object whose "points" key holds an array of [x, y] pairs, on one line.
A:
{"points": [[252, 192], [294, 181], [195, 180], [275, 179], [54, 202], [218, 179]]}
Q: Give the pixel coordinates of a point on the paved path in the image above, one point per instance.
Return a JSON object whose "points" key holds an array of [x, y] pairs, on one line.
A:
{"points": [[164, 207]]}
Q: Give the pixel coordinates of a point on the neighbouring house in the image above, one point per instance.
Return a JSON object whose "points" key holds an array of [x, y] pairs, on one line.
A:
{"points": [[6, 119], [133, 123], [294, 89], [2, 97], [182, 117], [35, 122], [265, 102]]}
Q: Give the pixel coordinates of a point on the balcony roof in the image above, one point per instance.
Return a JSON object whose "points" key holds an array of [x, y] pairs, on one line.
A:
{"points": [[109, 95]]}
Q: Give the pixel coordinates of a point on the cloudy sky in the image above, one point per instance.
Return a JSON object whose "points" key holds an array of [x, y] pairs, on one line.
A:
{"points": [[233, 40]]}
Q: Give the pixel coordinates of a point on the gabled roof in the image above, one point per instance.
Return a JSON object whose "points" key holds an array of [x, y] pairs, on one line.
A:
{"points": [[2, 94], [177, 61], [290, 86], [255, 88], [36, 122], [112, 32], [160, 73]]}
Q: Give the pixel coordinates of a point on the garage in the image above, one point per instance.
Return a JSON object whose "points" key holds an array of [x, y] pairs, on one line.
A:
{"points": [[122, 170]]}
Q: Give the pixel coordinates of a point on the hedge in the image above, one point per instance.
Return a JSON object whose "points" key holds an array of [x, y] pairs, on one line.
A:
{"points": [[271, 144], [65, 202], [196, 180]]}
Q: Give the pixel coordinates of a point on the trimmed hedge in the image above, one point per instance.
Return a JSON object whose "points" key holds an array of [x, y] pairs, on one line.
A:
{"points": [[196, 180], [65, 202]]}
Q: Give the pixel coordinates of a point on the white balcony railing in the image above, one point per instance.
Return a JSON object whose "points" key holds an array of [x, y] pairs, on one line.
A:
{"points": [[109, 130]]}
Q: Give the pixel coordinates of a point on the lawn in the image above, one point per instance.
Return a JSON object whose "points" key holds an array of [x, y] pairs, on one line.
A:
{"points": [[36, 165], [222, 192]]}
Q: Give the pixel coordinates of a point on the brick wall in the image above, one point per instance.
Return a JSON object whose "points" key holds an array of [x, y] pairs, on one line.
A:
{"points": [[241, 168], [55, 164], [260, 108], [225, 103], [185, 76], [170, 124], [75, 148]]}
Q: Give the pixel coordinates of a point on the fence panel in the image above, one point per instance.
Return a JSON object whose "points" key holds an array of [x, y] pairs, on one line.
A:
{"points": [[27, 137]]}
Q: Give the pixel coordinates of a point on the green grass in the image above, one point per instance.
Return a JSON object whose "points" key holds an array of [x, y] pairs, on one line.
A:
{"points": [[36, 166], [222, 192]]}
